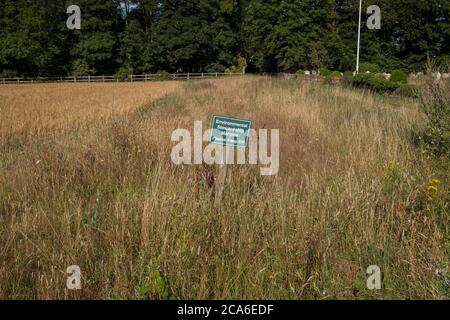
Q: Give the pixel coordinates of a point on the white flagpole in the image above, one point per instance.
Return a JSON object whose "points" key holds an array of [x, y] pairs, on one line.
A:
{"points": [[359, 36]]}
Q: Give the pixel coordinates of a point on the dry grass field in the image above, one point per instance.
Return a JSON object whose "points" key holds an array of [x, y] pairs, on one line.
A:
{"points": [[36, 108], [85, 181]]}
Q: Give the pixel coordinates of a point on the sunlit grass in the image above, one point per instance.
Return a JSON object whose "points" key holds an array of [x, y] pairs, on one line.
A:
{"points": [[351, 192]]}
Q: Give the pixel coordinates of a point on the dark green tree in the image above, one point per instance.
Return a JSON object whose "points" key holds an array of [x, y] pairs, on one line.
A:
{"points": [[194, 35], [208, 35], [96, 45], [33, 41]]}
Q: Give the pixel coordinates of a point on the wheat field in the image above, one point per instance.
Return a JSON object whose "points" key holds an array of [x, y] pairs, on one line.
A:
{"points": [[38, 108], [86, 179]]}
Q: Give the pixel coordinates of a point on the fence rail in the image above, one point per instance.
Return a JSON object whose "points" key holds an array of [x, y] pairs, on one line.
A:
{"points": [[130, 78]]}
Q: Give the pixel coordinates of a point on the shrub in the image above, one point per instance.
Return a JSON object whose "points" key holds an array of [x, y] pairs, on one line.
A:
{"points": [[300, 72], [335, 74], [147, 68], [81, 68], [374, 82], [392, 177], [242, 64], [240, 68], [371, 67], [124, 73], [324, 72], [378, 83], [399, 76], [162, 76], [215, 67], [348, 77], [161, 286], [7, 73], [435, 104]]}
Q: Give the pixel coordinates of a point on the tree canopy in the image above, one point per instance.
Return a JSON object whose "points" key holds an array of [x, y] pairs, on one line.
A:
{"points": [[143, 36]]}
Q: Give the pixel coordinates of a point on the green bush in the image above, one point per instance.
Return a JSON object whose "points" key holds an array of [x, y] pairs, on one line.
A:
{"points": [[335, 74], [147, 68], [7, 73], [374, 82], [371, 67], [242, 64], [435, 104], [81, 68], [399, 76], [378, 83], [300, 72], [215, 67], [124, 73], [324, 72], [435, 141], [162, 76], [348, 77], [407, 90]]}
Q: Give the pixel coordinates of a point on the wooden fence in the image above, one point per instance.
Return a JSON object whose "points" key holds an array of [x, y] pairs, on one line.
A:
{"points": [[130, 78]]}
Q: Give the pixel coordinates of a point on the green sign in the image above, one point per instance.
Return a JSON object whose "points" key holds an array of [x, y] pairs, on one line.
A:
{"points": [[230, 132]]}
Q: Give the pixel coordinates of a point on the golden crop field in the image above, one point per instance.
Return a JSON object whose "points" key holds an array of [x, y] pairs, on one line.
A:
{"points": [[86, 179], [34, 108]]}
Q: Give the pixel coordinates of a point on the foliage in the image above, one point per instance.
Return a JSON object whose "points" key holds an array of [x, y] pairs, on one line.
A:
{"points": [[203, 35], [240, 68], [392, 177], [435, 104], [133, 53], [191, 35], [374, 82], [369, 67], [348, 77], [399, 76], [96, 42], [161, 286], [324, 72], [124, 73], [7, 73], [335, 74], [378, 83], [162, 75], [442, 62], [81, 68]]}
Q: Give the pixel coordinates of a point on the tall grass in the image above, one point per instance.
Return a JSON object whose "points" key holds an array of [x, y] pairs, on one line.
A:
{"points": [[352, 191], [435, 104]]}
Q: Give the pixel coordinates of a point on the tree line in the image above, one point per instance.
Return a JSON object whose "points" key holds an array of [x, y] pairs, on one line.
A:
{"points": [[144, 36]]}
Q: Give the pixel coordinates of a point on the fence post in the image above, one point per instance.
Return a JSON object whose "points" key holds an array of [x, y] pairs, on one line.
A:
{"points": [[202, 75], [103, 78], [188, 76], [131, 78], [89, 78], [75, 79]]}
